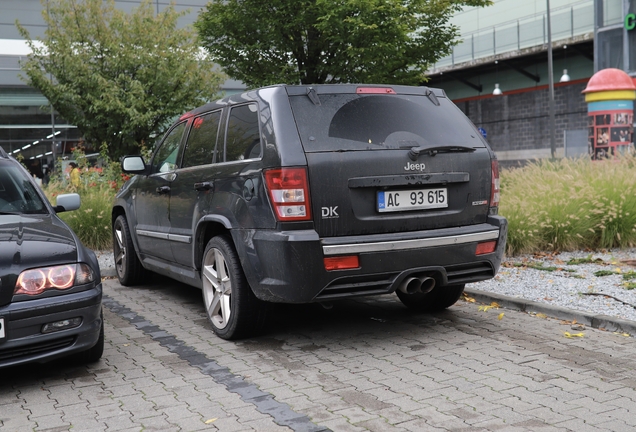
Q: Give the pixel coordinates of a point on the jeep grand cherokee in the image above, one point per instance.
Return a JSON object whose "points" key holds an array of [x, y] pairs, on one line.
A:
{"points": [[303, 194]]}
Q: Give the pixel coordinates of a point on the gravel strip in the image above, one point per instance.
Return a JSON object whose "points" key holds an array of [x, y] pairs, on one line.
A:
{"points": [[572, 286]]}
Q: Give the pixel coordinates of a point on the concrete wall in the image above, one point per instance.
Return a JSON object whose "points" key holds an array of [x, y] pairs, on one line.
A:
{"points": [[517, 123]]}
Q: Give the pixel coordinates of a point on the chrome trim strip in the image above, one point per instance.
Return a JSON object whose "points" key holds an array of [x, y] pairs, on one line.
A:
{"points": [[153, 234], [409, 244], [165, 236], [179, 238]]}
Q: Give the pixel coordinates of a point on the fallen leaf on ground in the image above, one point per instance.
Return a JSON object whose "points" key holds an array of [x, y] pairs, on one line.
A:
{"points": [[468, 299], [566, 322], [212, 420], [541, 315], [501, 315], [573, 335]]}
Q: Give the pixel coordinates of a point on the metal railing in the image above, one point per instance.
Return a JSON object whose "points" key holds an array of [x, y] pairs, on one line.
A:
{"points": [[522, 33]]}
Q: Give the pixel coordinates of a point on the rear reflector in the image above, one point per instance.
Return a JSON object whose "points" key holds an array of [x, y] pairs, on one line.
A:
{"points": [[289, 193], [486, 247], [375, 90], [342, 263]]}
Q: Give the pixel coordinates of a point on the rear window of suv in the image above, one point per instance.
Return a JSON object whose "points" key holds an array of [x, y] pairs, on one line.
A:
{"points": [[377, 122]]}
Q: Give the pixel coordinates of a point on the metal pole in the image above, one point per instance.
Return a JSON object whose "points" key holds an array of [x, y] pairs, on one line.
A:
{"points": [[53, 154], [52, 138], [551, 85]]}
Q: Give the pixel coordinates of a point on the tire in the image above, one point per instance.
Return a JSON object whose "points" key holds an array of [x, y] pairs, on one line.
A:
{"points": [[127, 265], [230, 305], [94, 353], [440, 298]]}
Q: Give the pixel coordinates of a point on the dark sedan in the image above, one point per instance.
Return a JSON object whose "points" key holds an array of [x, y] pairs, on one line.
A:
{"points": [[50, 284]]}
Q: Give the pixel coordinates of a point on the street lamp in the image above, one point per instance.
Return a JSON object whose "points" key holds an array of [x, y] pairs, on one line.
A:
{"points": [[551, 85]]}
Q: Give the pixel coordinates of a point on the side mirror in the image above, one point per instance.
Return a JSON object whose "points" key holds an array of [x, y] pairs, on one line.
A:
{"points": [[133, 165], [67, 202]]}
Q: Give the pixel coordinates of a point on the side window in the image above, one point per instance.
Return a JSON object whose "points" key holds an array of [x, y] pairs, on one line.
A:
{"points": [[201, 145], [165, 159], [243, 138]]}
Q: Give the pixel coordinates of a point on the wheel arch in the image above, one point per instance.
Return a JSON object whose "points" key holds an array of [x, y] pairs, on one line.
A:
{"points": [[208, 227]]}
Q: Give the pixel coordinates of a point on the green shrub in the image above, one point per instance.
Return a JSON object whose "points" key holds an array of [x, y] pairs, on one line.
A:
{"points": [[91, 222], [97, 189]]}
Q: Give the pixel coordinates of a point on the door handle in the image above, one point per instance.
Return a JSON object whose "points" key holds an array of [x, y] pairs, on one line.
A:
{"points": [[163, 190], [204, 186]]}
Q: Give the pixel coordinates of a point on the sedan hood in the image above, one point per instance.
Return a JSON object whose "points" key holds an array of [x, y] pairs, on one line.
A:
{"points": [[28, 241]]}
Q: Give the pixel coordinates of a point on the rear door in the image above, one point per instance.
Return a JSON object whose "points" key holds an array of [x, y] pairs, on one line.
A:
{"points": [[193, 187], [385, 161], [219, 175]]}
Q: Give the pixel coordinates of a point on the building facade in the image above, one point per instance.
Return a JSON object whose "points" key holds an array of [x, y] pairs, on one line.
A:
{"points": [[28, 124], [503, 46], [499, 73]]}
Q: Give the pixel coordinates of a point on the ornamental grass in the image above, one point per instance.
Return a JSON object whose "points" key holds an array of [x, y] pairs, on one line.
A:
{"points": [[551, 205], [570, 204]]}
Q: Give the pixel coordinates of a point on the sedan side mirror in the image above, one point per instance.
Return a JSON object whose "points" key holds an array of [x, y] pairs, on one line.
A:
{"points": [[67, 202], [133, 165]]}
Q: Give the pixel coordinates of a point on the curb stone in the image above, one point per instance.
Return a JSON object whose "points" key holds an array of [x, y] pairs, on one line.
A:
{"points": [[603, 322]]}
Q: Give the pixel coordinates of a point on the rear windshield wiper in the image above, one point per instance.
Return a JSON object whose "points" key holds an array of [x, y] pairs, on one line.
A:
{"points": [[414, 152]]}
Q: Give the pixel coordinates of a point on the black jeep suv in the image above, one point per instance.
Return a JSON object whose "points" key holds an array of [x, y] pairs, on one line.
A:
{"points": [[314, 193]]}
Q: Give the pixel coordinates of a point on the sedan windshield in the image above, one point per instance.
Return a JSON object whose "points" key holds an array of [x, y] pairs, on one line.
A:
{"points": [[17, 193]]}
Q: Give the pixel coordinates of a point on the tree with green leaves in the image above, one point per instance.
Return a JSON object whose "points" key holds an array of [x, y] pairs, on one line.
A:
{"points": [[119, 77], [329, 41]]}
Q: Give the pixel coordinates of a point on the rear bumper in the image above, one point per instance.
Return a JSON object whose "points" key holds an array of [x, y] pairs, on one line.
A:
{"points": [[23, 322], [288, 266]]}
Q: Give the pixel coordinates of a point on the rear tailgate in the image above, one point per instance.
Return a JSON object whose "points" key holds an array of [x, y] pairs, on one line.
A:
{"points": [[345, 187], [362, 178]]}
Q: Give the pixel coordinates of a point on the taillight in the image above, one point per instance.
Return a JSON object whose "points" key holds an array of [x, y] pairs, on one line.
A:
{"points": [[494, 188], [289, 193]]}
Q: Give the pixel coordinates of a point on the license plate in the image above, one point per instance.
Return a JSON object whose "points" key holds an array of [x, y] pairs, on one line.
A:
{"points": [[2, 332], [416, 199]]}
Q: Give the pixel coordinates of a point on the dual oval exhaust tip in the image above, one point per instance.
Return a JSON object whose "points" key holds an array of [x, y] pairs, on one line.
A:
{"points": [[421, 284]]}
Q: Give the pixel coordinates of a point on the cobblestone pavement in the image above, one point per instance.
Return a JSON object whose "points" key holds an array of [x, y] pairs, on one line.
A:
{"points": [[367, 364]]}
